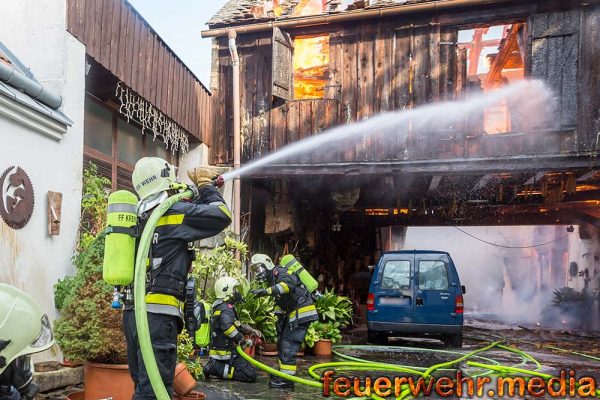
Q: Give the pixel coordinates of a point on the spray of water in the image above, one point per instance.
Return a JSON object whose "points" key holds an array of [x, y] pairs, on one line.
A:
{"points": [[528, 100]]}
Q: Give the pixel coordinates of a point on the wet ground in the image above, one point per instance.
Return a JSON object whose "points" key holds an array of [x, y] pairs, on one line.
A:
{"points": [[553, 349]]}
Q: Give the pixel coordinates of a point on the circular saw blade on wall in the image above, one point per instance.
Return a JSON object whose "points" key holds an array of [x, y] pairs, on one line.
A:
{"points": [[16, 197]]}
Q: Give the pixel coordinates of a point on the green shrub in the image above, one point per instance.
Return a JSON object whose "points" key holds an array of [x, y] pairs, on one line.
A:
{"points": [[185, 354], [88, 328], [335, 308]]}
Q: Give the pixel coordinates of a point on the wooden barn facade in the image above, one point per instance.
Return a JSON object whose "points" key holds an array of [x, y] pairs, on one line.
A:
{"points": [[310, 65]]}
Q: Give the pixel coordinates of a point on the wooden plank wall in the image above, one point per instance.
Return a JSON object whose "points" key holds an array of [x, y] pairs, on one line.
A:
{"points": [[381, 66], [117, 37]]}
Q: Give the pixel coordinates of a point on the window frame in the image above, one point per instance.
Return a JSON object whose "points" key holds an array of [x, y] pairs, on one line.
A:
{"points": [[113, 160], [410, 275], [445, 264]]}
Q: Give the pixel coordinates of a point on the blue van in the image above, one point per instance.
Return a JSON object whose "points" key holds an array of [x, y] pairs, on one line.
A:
{"points": [[415, 293]]}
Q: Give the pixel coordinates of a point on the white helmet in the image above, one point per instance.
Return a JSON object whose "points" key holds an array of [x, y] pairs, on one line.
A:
{"points": [[152, 175], [224, 287], [263, 259], [24, 328]]}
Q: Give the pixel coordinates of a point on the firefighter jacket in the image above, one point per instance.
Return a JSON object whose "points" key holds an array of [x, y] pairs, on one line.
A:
{"points": [[226, 330], [169, 259], [292, 297]]}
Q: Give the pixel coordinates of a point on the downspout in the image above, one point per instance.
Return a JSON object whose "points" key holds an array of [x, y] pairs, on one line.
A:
{"points": [[235, 62]]}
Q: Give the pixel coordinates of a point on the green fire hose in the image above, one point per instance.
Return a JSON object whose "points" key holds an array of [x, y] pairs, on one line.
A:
{"points": [[139, 289]]}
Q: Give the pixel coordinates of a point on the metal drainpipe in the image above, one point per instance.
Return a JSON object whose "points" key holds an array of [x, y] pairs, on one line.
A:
{"points": [[30, 87], [235, 62]]}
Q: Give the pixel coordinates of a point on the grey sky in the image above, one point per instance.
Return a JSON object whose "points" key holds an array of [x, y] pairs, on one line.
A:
{"points": [[179, 23]]}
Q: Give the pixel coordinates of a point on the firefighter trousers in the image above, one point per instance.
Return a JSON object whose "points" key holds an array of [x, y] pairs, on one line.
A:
{"points": [[290, 340], [236, 369], [163, 334]]}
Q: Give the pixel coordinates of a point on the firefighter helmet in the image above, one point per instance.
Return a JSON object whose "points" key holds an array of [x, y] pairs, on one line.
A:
{"points": [[225, 286]]}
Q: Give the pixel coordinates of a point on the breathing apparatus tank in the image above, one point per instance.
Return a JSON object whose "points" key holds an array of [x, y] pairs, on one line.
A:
{"points": [[293, 266], [119, 247]]}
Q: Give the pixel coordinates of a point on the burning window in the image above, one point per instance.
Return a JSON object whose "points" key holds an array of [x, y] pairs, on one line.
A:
{"points": [[495, 57], [311, 63]]}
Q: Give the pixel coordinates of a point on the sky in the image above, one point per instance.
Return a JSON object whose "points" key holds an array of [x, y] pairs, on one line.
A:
{"points": [[179, 23]]}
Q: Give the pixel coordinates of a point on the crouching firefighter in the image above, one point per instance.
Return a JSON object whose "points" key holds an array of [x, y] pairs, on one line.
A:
{"points": [[227, 333], [169, 260], [294, 307]]}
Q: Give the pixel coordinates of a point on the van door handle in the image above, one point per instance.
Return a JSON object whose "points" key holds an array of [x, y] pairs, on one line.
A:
{"points": [[419, 301]]}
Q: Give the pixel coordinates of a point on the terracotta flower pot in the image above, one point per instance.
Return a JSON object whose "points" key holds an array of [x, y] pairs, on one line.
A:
{"points": [[76, 396], [268, 349], [322, 347], [193, 395], [184, 382], [107, 380]]}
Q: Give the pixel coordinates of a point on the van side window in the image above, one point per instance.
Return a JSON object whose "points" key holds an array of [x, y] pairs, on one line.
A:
{"points": [[396, 275], [433, 275]]}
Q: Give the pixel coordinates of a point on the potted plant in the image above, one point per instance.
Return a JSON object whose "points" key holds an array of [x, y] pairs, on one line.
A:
{"points": [[328, 333], [88, 329], [259, 313], [335, 308], [189, 368]]}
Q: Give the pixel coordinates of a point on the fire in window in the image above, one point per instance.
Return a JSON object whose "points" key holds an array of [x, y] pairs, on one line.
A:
{"points": [[311, 63], [495, 57]]}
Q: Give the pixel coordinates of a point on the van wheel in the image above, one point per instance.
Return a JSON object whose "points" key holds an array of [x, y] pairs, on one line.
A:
{"points": [[454, 341], [376, 337]]}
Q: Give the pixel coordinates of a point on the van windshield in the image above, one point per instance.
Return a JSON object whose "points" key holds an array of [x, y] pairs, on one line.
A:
{"points": [[433, 275], [396, 275]]}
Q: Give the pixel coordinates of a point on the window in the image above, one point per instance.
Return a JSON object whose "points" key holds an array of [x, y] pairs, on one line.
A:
{"points": [[105, 130], [396, 275], [495, 57], [433, 275], [311, 66]]}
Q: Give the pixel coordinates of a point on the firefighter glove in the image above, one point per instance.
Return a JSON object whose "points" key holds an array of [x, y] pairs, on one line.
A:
{"points": [[202, 176], [251, 331], [259, 292]]}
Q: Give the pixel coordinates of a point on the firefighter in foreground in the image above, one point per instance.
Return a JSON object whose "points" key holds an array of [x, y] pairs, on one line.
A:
{"points": [[294, 306], [227, 333], [24, 330], [205, 215]]}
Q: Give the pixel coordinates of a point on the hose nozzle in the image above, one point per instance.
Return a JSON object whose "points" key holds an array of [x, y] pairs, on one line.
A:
{"points": [[218, 181]]}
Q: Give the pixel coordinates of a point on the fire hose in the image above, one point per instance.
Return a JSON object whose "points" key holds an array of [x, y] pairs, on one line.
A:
{"points": [[354, 364]]}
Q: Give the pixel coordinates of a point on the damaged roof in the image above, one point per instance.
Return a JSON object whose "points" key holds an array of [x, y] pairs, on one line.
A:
{"points": [[236, 12]]}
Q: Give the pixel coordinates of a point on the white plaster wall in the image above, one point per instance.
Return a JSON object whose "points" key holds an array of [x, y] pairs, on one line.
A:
{"points": [[35, 31], [198, 156]]}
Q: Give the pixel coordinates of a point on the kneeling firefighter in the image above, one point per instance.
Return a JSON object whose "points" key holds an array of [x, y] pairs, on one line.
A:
{"points": [[169, 258], [227, 333], [24, 330], [292, 287]]}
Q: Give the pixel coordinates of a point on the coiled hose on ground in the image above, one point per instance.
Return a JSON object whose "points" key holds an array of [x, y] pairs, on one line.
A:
{"points": [[358, 364]]}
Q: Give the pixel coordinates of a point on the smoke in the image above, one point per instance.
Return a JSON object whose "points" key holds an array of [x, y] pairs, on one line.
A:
{"points": [[512, 285], [528, 100]]}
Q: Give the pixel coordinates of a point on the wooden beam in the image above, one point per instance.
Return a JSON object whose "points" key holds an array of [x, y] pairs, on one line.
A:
{"points": [[536, 178], [507, 46]]}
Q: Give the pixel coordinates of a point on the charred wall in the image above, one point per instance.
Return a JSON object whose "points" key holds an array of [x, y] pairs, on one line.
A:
{"points": [[392, 64]]}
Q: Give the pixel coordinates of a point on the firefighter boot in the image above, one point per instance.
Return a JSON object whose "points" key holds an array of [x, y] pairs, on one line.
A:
{"points": [[280, 383], [208, 367]]}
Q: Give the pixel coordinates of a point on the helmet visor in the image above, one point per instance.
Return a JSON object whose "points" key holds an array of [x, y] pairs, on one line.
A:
{"points": [[45, 337]]}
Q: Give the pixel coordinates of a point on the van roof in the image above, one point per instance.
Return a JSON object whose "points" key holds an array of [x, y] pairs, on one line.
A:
{"points": [[416, 252]]}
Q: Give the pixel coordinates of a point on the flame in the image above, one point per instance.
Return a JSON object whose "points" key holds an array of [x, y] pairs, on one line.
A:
{"points": [[311, 62], [309, 7]]}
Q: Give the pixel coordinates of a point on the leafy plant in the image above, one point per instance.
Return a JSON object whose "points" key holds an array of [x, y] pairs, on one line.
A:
{"points": [[566, 296], [327, 330], [220, 261], [94, 201], [335, 308], [61, 290], [311, 336], [88, 328], [258, 312], [186, 355]]}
